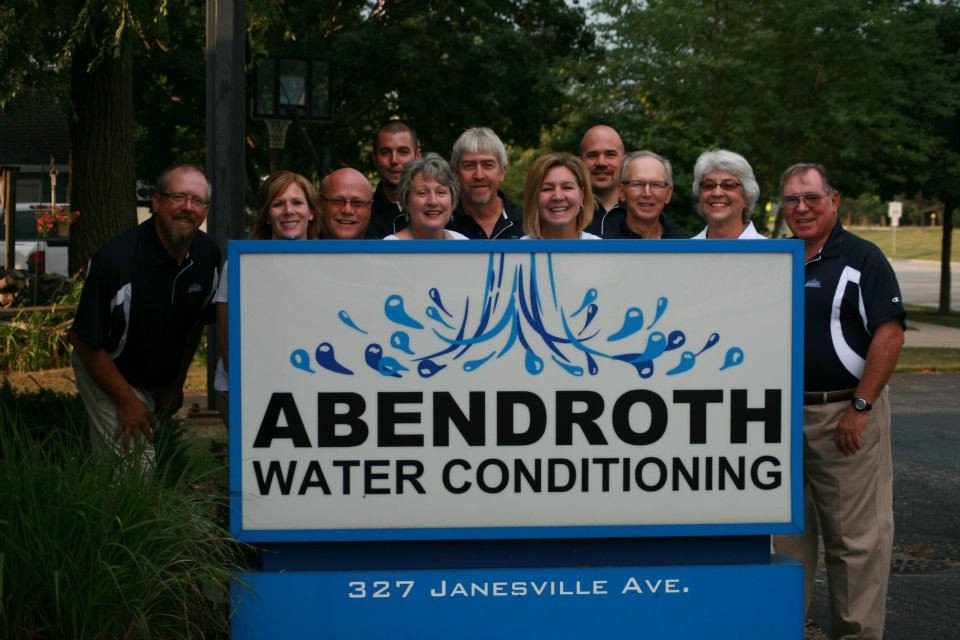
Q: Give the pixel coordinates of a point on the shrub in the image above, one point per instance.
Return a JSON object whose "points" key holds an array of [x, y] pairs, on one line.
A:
{"points": [[92, 547]]}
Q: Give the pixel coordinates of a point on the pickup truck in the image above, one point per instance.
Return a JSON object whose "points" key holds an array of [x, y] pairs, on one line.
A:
{"points": [[48, 254]]}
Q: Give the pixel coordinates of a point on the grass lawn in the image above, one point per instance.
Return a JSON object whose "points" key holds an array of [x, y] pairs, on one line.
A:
{"points": [[927, 359], [930, 315], [913, 243]]}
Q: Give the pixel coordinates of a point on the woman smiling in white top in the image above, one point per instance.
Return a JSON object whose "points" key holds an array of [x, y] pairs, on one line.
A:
{"points": [[557, 199], [727, 191], [428, 193]]}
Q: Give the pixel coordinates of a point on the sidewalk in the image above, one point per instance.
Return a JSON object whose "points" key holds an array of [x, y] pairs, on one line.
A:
{"points": [[922, 334]]}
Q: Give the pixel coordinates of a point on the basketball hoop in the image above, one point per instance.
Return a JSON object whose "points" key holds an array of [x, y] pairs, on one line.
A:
{"points": [[277, 131]]}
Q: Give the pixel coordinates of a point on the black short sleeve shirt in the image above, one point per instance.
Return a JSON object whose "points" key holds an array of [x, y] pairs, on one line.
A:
{"points": [[139, 305], [850, 289]]}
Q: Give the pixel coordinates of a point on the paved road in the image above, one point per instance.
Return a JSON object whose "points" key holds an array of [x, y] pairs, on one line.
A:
{"points": [[925, 581], [920, 282]]}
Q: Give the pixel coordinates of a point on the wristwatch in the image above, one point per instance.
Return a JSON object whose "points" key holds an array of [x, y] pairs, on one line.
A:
{"points": [[861, 404]]}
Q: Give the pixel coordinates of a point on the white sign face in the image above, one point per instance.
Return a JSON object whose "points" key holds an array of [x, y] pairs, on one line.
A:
{"points": [[894, 211], [423, 394]]}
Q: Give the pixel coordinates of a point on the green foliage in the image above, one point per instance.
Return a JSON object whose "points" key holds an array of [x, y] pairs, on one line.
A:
{"points": [[34, 341], [913, 359], [93, 548], [858, 86]]}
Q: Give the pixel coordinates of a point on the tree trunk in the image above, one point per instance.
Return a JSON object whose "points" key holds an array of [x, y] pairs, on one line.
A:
{"points": [[945, 253], [103, 174]]}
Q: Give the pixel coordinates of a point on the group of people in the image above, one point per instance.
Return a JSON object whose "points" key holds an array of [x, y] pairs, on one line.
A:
{"points": [[149, 291]]}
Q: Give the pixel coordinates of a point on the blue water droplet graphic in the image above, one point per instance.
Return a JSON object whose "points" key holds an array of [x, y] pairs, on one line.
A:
{"points": [[401, 341], [429, 368], [473, 365], [661, 307], [733, 358], [395, 312], [632, 322], [712, 340], [533, 362], [326, 359], [434, 294], [300, 359], [588, 297], [675, 340], [687, 360], [433, 314], [347, 320]]}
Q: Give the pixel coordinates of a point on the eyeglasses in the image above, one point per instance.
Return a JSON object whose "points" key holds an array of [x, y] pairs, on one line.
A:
{"points": [[180, 198], [792, 202], [340, 203], [726, 185], [655, 186]]}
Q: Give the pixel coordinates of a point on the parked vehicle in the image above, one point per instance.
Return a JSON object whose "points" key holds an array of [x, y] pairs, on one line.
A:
{"points": [[46, 254]]}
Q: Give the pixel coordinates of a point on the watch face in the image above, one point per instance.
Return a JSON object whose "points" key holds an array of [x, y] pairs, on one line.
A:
{"points": [[860, 404]]}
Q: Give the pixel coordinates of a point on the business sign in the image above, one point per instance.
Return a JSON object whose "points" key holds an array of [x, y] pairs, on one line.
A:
{"points": [[747, 602], [418, 390]]}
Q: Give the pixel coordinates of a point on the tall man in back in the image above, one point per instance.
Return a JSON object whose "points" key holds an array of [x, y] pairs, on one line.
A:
{"points": [[146, 296], [479, 161], [394, 146], [853, 333], [601, 149]]}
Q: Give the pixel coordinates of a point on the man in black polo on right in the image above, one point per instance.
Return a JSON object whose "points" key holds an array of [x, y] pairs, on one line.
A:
{"points": [[853, 333]]}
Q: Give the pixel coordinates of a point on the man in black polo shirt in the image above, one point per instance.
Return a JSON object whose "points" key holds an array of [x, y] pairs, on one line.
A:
{"points": [[602, 150], [479, 160], [394, 146], [146, 295], [853, 334]]}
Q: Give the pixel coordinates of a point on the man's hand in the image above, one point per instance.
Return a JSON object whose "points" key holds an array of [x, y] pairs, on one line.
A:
{"points": [[849, 431], [133, 422]]}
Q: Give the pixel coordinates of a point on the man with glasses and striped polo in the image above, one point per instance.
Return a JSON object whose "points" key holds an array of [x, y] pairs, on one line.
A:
{"points": [[853, 333]]}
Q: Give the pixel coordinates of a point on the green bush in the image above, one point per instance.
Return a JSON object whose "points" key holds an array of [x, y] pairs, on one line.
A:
{"points": [[92, 547], [32, 341]]}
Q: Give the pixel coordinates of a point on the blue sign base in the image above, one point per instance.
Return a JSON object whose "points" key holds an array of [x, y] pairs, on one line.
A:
{"points": [[694, 601]]}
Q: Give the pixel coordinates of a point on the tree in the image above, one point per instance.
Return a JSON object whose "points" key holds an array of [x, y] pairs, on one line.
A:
{"points": [[80, 52], [851, 85], [443, 66]]}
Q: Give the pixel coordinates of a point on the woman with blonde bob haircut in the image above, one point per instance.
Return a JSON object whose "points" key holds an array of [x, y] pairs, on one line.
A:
{"points": [[557, 199], [304, 207]]}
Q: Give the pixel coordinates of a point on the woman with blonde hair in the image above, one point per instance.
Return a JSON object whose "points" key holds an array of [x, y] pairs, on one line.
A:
{"points": [[557, 199], [289, 210]]}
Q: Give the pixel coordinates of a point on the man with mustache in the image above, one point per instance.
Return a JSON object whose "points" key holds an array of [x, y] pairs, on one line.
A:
{"points": [[394, 146], [601, 149], [147, 294], [479, 160]]}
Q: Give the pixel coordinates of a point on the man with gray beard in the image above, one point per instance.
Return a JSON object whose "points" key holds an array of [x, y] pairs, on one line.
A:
{"points": [[479, 161], [146, 296]]}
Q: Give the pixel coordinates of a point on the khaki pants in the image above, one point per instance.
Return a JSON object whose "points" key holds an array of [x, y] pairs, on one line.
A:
{"points": [[102, 416], [850, 501]]}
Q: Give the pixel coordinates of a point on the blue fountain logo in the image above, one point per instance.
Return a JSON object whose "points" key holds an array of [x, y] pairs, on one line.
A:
{"points": [[512, 316]]}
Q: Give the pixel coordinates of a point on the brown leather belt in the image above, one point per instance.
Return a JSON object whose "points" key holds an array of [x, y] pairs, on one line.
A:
{"points": [[826, 397]]}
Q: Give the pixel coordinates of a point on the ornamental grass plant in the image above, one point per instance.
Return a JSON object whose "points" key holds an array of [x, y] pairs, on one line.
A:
{"points": [[91, 546]]}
